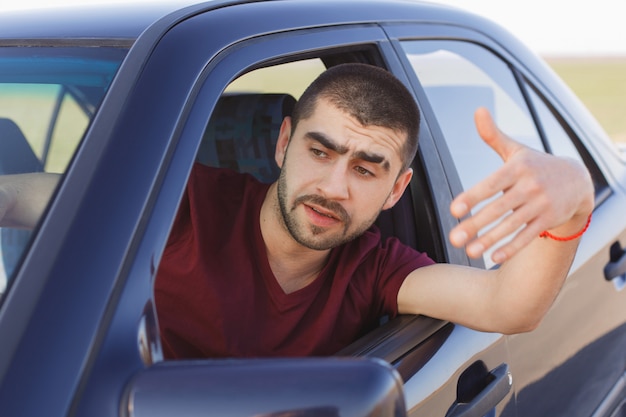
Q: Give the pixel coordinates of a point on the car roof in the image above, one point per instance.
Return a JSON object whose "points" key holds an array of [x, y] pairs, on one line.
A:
{"points": [[88, 21], [126, 21]]}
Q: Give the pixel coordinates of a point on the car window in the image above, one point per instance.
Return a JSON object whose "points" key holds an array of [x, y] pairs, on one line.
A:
{"points": [[458, 77], [562, 141], [47, 98], [241, 135], [243, 129]]}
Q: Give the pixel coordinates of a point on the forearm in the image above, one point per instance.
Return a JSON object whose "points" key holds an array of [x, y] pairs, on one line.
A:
{"points": [[511, 299], [532, 191], [24, 197], [528, 284]]}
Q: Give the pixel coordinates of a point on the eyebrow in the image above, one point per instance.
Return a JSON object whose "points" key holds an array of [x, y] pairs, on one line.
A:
{"points": [[342, 150]]}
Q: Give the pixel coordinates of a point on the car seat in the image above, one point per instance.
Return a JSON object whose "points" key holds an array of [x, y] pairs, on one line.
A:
{"points": [[242, 133]]}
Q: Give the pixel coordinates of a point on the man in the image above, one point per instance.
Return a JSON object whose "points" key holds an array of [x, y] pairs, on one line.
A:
{"points": [[295, 268]]}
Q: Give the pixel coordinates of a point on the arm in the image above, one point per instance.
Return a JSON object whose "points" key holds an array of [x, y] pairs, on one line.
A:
{"points": [[24, 197], [538, 192]]}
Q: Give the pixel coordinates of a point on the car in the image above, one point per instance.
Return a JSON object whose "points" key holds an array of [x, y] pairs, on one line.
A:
{"points": [[123, 99]]}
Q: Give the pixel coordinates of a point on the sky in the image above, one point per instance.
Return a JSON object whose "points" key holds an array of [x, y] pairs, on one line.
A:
{"points": [[549, 27], [558, 27]]}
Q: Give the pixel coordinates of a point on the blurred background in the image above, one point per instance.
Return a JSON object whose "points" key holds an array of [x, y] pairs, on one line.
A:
{"points": [[584, 41]]}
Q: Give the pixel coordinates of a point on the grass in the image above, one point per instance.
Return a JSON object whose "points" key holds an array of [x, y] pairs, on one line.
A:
{"points": [[601, 85]]}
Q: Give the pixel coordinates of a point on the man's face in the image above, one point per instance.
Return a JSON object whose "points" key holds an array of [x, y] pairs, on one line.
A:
{"points": [[336, 176]]}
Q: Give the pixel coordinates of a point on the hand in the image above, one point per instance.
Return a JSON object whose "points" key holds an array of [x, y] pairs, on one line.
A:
{"points": [[8, 197], [534, 191], [24, 198]]}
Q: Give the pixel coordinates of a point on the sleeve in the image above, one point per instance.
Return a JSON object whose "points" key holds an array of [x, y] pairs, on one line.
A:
{"points": [[395, 262]]}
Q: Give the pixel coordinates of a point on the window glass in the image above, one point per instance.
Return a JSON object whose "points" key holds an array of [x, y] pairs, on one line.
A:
{"points": [[48, 96], [71, 123], [559, 140], [562, 142], [458, 77]]}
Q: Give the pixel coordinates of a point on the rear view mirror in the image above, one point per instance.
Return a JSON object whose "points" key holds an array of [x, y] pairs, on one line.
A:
{"points": [[333, 387]]}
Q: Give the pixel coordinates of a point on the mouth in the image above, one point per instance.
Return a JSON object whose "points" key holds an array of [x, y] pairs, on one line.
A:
{"points": [[320, 218], [322, 212]]}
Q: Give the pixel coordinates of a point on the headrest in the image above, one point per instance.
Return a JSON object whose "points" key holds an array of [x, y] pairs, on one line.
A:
{"points": [[242, 133], [16, 155]]}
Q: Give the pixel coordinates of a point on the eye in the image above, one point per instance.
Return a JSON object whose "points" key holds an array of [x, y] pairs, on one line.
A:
{"points": [[364, 172], [318, 153]]}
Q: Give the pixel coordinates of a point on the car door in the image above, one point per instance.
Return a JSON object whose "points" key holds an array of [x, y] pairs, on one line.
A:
{"points": [[573, 364]]}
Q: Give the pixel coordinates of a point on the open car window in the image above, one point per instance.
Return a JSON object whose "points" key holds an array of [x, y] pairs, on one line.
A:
{"points": [[243, 128], [48, 96], [241, 136]]}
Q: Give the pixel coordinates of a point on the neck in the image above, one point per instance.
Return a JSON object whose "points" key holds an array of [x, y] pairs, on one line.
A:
{"points": [[294, 266]]}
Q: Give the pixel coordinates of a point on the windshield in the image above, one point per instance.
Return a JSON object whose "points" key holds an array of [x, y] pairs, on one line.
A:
{"points": [[48, 96]]}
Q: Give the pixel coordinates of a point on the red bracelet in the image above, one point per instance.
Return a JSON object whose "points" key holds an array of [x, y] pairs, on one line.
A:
{"points": [[545, 233]]}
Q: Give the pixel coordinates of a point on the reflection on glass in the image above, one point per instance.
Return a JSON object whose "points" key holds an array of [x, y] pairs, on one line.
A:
{"points": [[458, 77], [48, 96]]}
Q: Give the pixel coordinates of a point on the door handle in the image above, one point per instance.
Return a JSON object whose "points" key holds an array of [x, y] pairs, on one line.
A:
{"points": [[617, 264], [479, 391]]}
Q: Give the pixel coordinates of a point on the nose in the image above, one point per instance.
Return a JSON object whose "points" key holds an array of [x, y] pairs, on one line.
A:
{"points": [[333, 184]]}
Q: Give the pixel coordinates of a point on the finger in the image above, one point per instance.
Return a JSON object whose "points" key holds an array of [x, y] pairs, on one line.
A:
{"points": [[5, 201], [506, 226], [520, 241], [490, 214], [499, 181], [502, 179], [504, 146]]}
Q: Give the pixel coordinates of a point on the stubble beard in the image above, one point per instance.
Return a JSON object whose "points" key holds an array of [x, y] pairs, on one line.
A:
{"points": [[311, 236]]}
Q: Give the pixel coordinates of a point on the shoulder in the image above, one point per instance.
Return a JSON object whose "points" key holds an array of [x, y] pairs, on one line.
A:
{"points": [[384, 256], [373, 243], [373, 269]]}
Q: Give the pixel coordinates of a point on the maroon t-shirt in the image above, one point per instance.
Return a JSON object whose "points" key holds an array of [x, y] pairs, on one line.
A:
{"points": [[216, 295]]}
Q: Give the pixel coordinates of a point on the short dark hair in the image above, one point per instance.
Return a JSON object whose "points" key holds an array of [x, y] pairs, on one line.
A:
{"points": [[371, 95]]}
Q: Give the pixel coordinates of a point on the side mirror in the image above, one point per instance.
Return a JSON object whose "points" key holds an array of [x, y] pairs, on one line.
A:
{"points": [[321, 387]]}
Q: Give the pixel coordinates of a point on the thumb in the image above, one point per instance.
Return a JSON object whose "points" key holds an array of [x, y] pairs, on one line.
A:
{"points": [[493, 136]]}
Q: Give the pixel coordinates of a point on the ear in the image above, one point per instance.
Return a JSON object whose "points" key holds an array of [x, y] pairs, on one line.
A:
{"points": [[398, 188], [282, 141]]}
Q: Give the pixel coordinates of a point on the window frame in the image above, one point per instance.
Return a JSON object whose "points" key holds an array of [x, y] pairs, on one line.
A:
{"points": [[601, 186]]}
